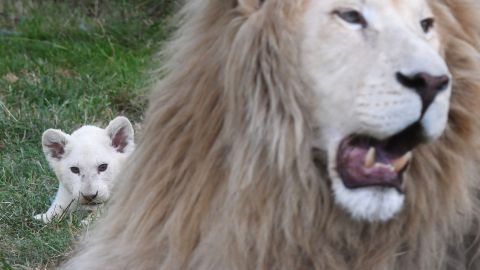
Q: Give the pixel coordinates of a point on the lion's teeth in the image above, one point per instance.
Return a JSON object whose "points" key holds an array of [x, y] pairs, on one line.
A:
{"points": [[400, 163], [370, 158], [384, 166]]}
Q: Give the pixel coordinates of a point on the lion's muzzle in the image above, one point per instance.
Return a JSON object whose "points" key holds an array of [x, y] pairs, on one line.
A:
{"points": [[427, 86]]}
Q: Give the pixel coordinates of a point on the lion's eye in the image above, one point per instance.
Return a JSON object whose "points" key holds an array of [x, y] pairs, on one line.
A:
{"points": [[427, 24], [352, 16], [75, 170], [103, 167]]}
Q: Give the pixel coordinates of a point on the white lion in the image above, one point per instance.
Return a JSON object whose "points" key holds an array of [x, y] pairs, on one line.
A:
{"points": [[86, 164], [306, 135]]}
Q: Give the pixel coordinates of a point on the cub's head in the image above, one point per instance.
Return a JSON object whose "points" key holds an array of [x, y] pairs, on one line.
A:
{"points": [[87, 161], [382, 88]]}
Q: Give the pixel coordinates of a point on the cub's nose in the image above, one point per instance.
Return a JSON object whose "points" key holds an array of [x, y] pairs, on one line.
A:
{"points": [[425, 85], [89, 197]]}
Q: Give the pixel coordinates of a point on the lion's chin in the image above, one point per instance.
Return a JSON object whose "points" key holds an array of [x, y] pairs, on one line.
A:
{"points": [[372, 204]]}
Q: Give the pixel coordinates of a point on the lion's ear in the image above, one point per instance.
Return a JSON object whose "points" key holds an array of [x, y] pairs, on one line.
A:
{"points": [[250, 6]]}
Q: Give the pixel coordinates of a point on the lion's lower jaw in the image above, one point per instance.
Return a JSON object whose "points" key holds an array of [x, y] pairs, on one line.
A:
{"points": [[372, 204]]}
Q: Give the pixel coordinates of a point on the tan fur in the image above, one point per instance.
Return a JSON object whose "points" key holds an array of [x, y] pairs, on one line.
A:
{"points": [[225, 177]]}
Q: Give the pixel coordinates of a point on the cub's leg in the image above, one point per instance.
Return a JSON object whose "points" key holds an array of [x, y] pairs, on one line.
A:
{"points": [[62, 204]]}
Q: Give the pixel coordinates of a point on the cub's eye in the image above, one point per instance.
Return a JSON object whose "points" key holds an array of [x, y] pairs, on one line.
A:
{"points": [[352, 17], [427, 24], [103, 167], [75, 170]]}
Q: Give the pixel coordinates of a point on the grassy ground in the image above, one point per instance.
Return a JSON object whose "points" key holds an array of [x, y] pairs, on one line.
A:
{"points": [[62, 64]]}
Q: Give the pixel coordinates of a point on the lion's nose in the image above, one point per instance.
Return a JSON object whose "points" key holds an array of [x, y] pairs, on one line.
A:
{"points": [[425, 85], [89, 197]]}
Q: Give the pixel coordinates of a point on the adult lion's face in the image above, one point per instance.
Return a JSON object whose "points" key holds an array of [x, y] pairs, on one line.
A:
{"points": [[382, 89]]}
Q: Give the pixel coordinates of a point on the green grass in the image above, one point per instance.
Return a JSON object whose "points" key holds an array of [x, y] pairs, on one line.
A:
{"points": [[62, 65]]}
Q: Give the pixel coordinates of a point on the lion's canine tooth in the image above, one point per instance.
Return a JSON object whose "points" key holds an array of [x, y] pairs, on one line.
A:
{"points": [[370, 158], [400, 163]]}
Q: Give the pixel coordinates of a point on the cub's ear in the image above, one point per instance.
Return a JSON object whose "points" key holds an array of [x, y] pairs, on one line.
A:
{"points": [[54, 142], [120, 131]]}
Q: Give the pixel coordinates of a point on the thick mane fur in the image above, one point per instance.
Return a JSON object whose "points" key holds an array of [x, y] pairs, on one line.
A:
{"points": [[226, 176]]}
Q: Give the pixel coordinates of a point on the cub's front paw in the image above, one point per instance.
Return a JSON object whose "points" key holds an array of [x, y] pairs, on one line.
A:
{"points": [[45, 217]]}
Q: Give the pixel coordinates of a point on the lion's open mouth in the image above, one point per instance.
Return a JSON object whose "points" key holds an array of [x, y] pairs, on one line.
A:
{"points": [[364, 161]]}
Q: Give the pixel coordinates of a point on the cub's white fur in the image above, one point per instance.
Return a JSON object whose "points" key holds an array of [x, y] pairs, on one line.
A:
{"points": [[86, 163]]}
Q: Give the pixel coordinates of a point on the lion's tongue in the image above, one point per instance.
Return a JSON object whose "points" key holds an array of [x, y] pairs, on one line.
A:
{"points": [[362, 166]]}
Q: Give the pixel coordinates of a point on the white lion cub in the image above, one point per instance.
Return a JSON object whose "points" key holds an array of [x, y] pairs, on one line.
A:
{"points": [[86, 164]]}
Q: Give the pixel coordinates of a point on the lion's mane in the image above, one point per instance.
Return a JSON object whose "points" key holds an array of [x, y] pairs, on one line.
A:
{"points": [[226, 178]]}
